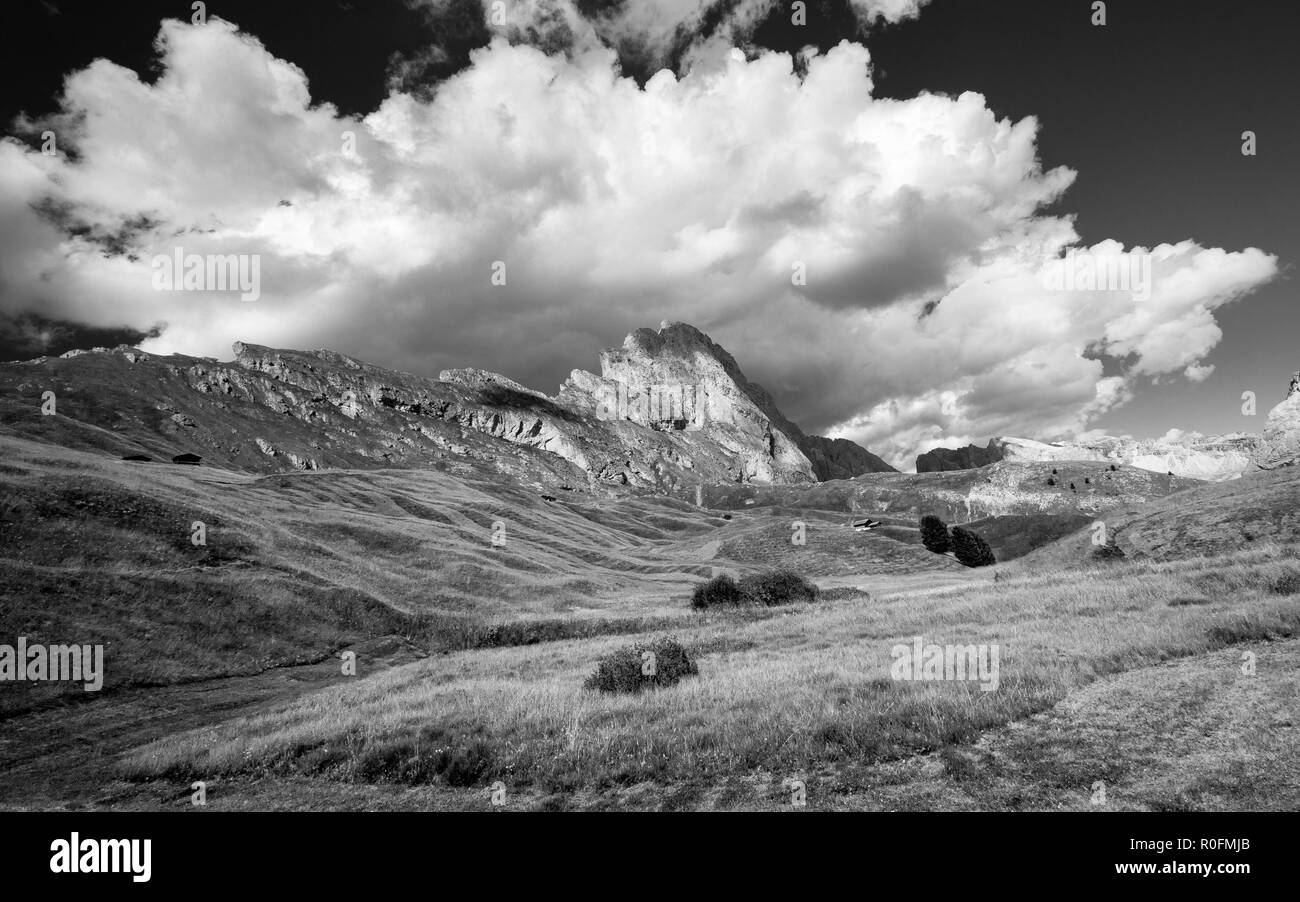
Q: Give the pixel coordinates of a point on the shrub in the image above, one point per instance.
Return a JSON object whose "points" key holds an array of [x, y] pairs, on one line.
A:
{"points": [[1108, 552], [719, 590], [662, 662], [971, 550], [773, 587], [934, 534]]}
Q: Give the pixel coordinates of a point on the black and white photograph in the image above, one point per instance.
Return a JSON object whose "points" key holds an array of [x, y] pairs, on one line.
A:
{"points": [[621, 412]]}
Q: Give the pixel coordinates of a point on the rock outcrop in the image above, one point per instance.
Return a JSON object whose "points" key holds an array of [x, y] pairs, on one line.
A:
{"points": [[676, 380], [941, 460], [839, 458], [1280, 444]]}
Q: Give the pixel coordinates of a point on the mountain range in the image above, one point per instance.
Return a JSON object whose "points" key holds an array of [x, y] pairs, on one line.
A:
{"points": [[1210, 458], [670, 410]]}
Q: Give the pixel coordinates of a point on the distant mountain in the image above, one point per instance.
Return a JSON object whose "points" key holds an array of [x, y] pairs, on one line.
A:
{"points": [[1007, 488], [670, 410], [1212, 459]]}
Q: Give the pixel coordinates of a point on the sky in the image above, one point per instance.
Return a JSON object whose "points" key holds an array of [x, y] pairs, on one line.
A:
{"points": [[865, 201]]}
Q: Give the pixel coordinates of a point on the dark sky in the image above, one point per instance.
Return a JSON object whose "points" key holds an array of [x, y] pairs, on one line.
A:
{"points": [[1148, 109]]}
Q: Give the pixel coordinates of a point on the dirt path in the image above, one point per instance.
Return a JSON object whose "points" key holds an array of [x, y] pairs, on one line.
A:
{"points": [[65, 757]]}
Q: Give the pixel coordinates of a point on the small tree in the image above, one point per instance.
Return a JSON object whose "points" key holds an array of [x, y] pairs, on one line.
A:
{"points": [[971, 549], [934, 534]]}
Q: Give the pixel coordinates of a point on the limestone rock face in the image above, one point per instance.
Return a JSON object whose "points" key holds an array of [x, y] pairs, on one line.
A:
{"points": [[677, 381], [481, 380], [1280, 445]]}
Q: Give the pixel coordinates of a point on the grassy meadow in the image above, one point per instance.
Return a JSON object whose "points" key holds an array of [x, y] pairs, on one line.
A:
{"points": [[793, 694], [222, 658]]}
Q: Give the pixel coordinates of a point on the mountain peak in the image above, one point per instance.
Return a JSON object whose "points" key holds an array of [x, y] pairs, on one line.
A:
{"points": [[679, 359]]}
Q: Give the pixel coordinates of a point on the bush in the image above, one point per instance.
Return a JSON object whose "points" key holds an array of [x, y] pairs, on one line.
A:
{"points": [[774, 587], [934, 534], [771, 587], [625, 670], [1108, 552], [971, 549], [719, 590]]}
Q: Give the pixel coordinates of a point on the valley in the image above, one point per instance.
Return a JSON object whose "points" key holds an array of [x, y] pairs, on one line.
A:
{"points": [[374, 590], [223, 661]]}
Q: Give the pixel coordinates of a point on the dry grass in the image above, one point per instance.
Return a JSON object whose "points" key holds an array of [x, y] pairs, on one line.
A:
{"points": [[806, 690], [298, 566], [95, 550]]}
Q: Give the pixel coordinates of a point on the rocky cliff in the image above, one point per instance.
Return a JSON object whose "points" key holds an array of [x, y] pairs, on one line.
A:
{"points": [[942, 460], [677, 380], [1280, 444]]}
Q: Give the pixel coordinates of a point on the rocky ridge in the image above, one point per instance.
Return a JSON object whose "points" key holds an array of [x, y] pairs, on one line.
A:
{"points": [[670, 410]]}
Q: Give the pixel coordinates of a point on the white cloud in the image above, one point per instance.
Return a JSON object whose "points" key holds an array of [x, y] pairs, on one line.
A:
{"points": [[650, 30], [612, 206]]}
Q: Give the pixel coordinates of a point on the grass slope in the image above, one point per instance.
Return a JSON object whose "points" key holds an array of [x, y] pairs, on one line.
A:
{"points": [[295, 566]]}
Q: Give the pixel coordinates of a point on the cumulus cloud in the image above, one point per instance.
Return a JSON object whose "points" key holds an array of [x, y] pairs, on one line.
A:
{"points": [[645, 34], [881, 266]]}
